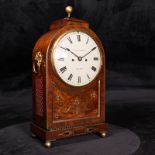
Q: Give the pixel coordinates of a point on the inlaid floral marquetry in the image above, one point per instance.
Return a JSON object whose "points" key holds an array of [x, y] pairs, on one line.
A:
{"points": [[66, 107]]}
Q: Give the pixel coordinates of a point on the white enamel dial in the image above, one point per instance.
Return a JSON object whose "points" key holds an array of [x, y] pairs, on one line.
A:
{"points": [[76, 58]]}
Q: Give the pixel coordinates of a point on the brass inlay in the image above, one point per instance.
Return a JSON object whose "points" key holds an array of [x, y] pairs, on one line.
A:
{"points": [[93, 95], [66, 133], [89, 130], [74, 127], [83, 118], [99, 98]]}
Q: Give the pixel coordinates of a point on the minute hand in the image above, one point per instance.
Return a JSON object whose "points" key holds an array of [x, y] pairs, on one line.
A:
{"points": [[89, 52], [67, 49]]}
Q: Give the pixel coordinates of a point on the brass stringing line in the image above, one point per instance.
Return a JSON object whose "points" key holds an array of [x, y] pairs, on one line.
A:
{"points": [[99, 98]]}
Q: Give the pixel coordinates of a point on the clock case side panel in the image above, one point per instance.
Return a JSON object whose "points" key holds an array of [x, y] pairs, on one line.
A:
{"points": [[53, 79], [39, 104]]}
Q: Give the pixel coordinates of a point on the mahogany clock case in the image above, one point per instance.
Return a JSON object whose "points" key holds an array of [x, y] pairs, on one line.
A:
{"points": [[54, 115]]}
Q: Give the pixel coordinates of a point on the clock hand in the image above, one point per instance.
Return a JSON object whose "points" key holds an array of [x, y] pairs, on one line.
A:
{"points": [[67, 49], [89, 52]]}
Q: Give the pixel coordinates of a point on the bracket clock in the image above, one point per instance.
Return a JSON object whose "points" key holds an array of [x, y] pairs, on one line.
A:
{"points": [[68, 74]]}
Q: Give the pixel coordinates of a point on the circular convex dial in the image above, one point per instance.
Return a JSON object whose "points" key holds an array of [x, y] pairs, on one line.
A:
{"points": [[77, 58]]}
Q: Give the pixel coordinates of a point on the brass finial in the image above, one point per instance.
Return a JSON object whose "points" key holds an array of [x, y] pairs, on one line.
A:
{"points": [[69, 10]]}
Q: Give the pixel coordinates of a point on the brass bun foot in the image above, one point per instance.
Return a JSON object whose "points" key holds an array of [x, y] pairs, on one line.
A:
{"points": [[48, 144], [33, 135], [103, 134]]}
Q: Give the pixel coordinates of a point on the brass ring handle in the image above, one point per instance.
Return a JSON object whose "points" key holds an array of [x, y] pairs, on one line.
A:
{"points": [[34, 68], [38, 60]]}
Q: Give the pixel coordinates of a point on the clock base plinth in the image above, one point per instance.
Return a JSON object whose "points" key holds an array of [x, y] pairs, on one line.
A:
{"points": [[48, 136]]}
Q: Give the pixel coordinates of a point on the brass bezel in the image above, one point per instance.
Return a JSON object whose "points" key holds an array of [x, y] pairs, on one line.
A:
{"points": [[53, 52]]}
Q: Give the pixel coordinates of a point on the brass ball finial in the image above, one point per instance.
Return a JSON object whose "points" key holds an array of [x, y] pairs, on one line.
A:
{"points": [[69, 10]]}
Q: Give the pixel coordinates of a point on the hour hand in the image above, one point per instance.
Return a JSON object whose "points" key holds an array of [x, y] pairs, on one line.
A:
{"points": [[89, 52]]}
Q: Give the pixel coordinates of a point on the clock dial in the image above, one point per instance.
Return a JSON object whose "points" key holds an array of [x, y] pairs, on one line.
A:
{"points": [[77, 58]]}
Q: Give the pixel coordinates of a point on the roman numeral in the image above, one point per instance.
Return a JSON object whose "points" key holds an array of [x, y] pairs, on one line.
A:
{"points": [[88, 76], [79, 79], [69, 39], [93, 68], [61, 59], [70, 77], [78, 37], [63, 69], [87, 40], [95, 58]]}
